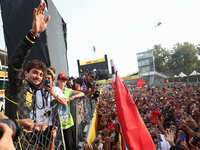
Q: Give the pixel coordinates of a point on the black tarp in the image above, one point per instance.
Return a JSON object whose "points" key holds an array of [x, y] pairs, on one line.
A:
{"points": [[50, 47]]}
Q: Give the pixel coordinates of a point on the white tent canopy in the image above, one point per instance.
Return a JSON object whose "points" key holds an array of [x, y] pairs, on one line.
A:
{"points": [[175, 76], [194, 73], [182, 75]]}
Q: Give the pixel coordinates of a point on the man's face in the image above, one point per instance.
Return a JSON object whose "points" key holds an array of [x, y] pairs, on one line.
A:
{"points": [[173, 127], [90, 78], [61, 82], [34, 76]]}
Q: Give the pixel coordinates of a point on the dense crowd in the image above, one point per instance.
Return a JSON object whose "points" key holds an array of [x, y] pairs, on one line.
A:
{"points": [[108, 129], [170, 113]]}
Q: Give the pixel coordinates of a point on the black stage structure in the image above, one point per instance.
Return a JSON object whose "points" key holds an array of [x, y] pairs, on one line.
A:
{"points": [[50, 47]]}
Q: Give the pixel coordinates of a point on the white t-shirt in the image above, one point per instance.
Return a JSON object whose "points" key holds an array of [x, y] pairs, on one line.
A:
{"points": [[163, 144], [43, 105]]}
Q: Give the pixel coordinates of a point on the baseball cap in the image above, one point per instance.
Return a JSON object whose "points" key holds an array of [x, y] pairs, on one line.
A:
{"points": [[111, 125], [92, 73], [62, 76]]}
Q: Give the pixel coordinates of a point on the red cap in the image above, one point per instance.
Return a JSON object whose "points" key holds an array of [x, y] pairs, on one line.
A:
{"points": [[62, 76]]}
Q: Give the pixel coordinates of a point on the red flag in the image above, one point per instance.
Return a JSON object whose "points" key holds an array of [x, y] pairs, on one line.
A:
{"points": [[141, 83], [154, 116], [113, 85], [133, 130], [167, 81]]}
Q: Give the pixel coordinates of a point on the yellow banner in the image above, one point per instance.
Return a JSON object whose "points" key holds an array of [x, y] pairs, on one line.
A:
{"points": [[92, 62], [123, 78], [2, 73], [94, 128]]}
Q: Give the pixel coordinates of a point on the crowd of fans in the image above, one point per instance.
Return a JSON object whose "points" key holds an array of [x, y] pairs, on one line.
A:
{"points": [[170, 113], [108, 130]]}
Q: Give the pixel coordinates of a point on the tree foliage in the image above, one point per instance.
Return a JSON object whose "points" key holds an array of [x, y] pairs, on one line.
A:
{"points": [[181, 55]]}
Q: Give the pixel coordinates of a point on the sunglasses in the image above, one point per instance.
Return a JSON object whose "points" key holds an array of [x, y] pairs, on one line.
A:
{"points": [[92, 76]]}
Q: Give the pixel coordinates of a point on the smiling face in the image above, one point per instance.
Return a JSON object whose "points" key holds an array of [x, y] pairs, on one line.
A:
{"points": [[34, 76], [69, 83]]}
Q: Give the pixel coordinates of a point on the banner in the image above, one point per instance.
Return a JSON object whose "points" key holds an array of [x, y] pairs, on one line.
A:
{"points": [[92, 62]]}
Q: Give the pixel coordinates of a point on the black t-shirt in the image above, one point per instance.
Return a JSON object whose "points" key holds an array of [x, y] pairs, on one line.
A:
{"points": [[77, 81]]}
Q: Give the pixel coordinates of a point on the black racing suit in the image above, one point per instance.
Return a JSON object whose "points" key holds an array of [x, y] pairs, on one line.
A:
{"points": [[19, 94]]}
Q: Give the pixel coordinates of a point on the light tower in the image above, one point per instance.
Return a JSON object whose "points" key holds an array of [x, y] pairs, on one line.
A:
{"points": [[94, 52]]}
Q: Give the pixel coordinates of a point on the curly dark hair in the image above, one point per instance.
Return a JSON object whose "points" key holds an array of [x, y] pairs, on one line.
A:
{"points": [[36, 64]]}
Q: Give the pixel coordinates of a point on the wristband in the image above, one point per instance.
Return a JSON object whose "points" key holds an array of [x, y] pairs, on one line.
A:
{"points": [[34, 34], [54, 95]]}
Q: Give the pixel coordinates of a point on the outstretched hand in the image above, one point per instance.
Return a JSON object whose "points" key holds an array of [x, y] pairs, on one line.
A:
{"points": [[169, 136], [39, 25]]}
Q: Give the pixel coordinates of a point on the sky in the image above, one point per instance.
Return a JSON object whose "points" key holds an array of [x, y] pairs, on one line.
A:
{"points": [[121, 29]]}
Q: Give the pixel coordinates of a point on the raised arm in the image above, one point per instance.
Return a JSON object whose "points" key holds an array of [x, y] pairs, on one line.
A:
{"points": [[16, 62]]}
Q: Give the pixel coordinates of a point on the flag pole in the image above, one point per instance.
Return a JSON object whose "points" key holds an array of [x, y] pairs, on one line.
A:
{"points": [[114, 70]]}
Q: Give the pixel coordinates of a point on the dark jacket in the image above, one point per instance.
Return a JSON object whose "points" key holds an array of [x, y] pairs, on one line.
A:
{"points": [[19, 97]]}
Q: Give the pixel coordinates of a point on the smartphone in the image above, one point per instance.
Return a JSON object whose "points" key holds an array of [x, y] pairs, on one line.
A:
{"points": [[196, 140], [113, 135], [153, 129], [182, 137]]}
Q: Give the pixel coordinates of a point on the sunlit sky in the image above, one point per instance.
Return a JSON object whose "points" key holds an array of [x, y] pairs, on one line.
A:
{"points": [[121, 29]]}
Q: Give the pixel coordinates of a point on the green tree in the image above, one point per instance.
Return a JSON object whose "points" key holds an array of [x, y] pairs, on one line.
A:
{"points": [[181, 56], [184, 55], [162, 58]]}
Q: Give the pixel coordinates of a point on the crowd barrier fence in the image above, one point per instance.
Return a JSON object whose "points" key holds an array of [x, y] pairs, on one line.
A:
{"points": [[82, 116]]}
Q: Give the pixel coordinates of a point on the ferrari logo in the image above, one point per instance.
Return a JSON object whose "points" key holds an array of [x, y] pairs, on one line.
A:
{"points": [[29, 99]]}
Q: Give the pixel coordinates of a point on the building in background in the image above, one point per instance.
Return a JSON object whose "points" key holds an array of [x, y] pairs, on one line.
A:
{"points": [[146, 68]]}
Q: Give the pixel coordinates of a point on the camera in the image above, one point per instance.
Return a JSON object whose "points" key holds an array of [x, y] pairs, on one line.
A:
{"points": [[46, 82], [13, 125], [91, 84], [96, 94]]}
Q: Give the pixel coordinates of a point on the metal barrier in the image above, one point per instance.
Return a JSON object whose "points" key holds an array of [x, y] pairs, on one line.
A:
{"points": [[82, 115], [32, 140]]}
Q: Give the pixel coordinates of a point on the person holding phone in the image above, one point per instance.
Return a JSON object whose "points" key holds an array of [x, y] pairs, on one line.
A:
{"points": [[191, 142], [44, 111]]}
